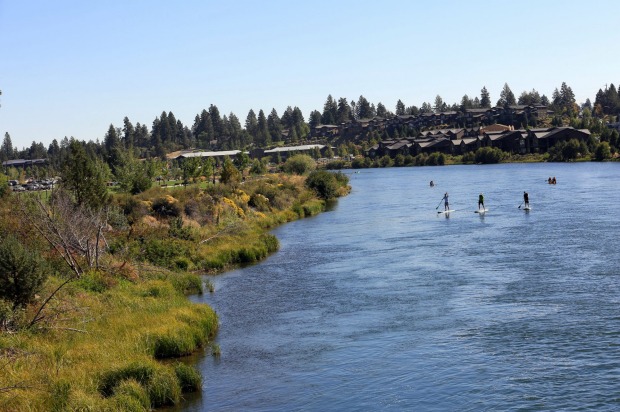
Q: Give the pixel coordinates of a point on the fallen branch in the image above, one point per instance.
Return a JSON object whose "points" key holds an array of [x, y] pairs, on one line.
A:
{"points": [[69, 329], [224, 231]]}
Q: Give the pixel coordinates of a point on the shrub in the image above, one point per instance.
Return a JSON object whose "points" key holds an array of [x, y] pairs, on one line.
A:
{"points": [[10, 318], [420, 160], [469, 157], [260, 202], [164, 252], [399, 160], [166, 207], [21, 273], [385, 161], [229, 173], [311, 208], [182, 264], [299, 164], [95, 281], [177, 230], [323, 183], [602, 152], [335, 165], [341, 178], [567, 151], [435, 159], [132, 208], [358, 163], [488, 155], [141, 183], [258, 167]]}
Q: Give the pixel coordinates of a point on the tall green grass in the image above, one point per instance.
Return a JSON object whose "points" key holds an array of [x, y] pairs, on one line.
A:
{"points": [[123, 331]]}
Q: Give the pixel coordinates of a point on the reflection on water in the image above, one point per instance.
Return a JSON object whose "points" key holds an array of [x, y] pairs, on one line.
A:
{"points": [[383, 304]]}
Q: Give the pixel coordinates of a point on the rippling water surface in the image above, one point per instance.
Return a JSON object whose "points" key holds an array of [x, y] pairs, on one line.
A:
{"points": [[382, 304]]}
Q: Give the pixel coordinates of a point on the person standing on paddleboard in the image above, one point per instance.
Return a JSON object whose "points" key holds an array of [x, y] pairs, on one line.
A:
{"points": [[526, 199], [446, 205], [481, 201]]}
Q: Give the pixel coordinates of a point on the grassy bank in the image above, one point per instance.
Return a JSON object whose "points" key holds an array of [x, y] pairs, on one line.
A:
{"points": [[104, 337], [111, 336]]}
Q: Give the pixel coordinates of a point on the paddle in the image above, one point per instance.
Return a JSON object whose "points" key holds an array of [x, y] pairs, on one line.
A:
{"points": [[439, 203], [521, 205]]}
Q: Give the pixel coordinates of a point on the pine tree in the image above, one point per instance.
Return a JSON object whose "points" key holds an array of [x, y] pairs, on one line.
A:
{"points": [[400, 108], [274, 125], [343, 112], [506, 97], [330, 109], [315, 119], [251, 125], [21, 273], [85, 177], [263, 138], [6, 150], [216, 120], [381, 110], [363, 109], [439, 104], [236, 131], [466, 103], [299, 124], [128, 133], [485, 98]]}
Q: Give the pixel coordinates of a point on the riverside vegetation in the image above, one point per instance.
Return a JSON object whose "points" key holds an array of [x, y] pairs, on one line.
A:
{"points": [[93, 308]]}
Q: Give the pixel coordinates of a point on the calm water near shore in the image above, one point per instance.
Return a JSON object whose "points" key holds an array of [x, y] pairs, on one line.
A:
{"points": [[382, 304]]}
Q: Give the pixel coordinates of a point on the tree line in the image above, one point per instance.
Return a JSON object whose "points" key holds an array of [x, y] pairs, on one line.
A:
{"points": [[213, 131]]}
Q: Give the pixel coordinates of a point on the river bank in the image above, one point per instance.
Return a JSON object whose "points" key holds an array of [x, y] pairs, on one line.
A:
{"points": [[103, 336]]}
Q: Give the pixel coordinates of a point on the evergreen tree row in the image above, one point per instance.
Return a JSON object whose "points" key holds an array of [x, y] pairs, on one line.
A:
{"points": [[213, 131]]}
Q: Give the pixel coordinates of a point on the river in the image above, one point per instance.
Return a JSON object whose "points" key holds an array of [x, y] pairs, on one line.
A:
{"points": [[383, 304]]}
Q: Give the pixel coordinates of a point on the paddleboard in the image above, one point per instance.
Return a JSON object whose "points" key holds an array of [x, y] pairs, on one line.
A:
{"points": [[481, 211], [527, 208], [445, 211]]}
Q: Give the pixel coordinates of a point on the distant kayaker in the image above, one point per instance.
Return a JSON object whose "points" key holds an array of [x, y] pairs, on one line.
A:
{"points": [[432, 183], [480, 202]]}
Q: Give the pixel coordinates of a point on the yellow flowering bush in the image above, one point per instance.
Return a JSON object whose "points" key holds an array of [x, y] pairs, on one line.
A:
{"points": [[234, 206]]}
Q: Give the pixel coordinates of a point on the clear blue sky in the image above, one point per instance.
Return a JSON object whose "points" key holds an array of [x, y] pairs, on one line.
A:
{"points": [[73, 67]]}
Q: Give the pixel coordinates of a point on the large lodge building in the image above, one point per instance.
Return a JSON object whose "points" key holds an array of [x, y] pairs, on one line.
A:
{"points": [[460, 141], [460, 132]]}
